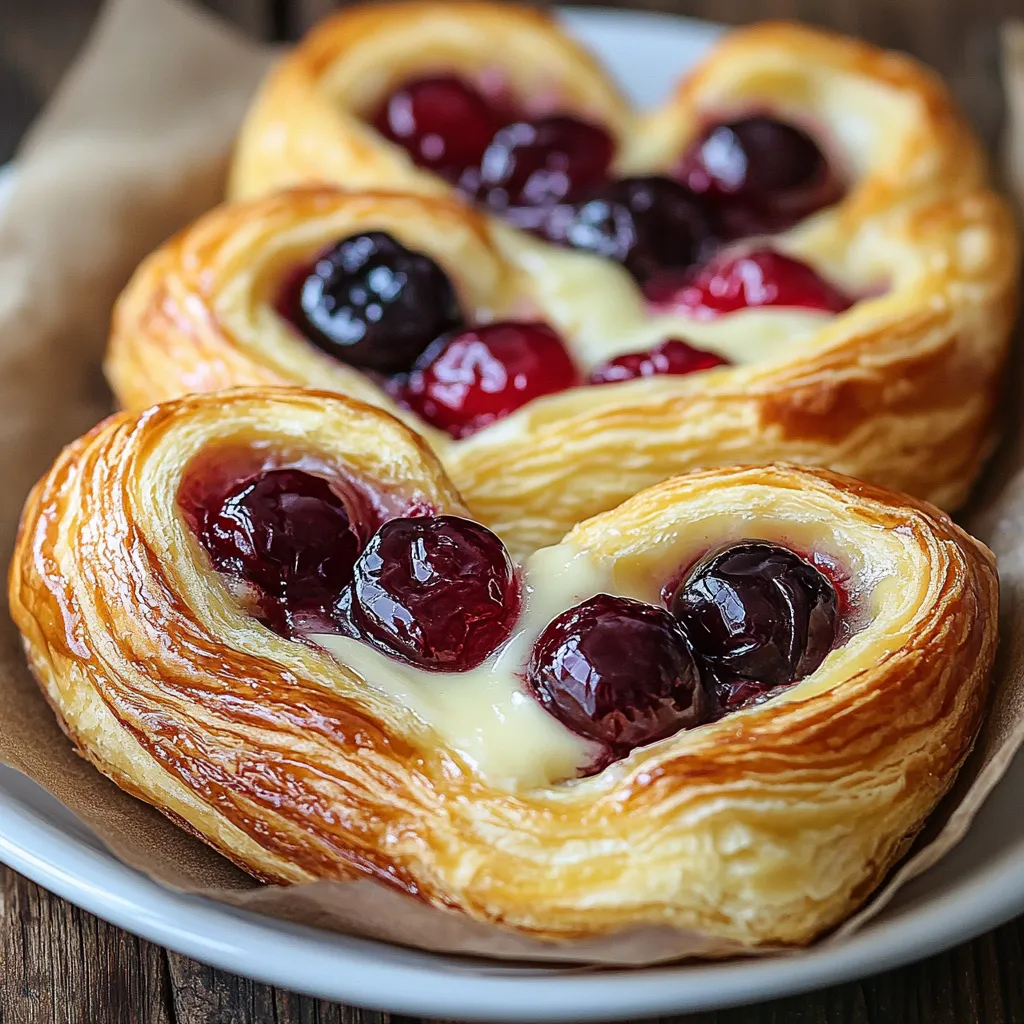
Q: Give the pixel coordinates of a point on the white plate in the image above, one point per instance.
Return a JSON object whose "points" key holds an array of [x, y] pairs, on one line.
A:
{"points": [[980, 884]]}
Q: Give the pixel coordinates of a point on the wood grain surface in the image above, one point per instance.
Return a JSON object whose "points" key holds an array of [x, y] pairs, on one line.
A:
{"points": [[59, 964]]}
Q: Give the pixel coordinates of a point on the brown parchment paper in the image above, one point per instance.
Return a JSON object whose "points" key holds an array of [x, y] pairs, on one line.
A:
{"points": [[133, 147]]}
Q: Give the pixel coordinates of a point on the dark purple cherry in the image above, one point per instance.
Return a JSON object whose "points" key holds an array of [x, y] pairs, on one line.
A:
{"points": [[437, 591], [758, 613], [649, 225], [372, 303], [544, 162], [763, 174], [285, 532], [620, 672]]}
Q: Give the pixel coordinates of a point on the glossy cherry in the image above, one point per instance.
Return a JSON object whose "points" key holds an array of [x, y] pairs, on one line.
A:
{"points": [[672, 357], [757, 613], [465, 381], [538, 164], [285, 532], [372, 303], [620, 672], [442, 122], [650, 225], [728, 283], [437, 591], [763, 174]]}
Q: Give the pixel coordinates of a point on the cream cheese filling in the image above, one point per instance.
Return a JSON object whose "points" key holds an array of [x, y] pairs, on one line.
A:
{"points": [[595, 303], [486, 714]]}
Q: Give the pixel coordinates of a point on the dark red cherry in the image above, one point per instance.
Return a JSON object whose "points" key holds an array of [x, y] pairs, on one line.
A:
{"points": [[544, 162], [758, 613], [443, 123], [465, 381], [760, 278], [437, 591], [285, 532], [764, 174], [672, 357], [620, 672], [372, 303], [649, 225]]}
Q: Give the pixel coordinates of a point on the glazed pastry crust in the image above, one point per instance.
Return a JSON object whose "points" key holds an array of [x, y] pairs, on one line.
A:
{"points": [[899, 390], [766, 827]]}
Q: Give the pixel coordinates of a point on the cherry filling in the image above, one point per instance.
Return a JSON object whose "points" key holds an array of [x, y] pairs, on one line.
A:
{"points": [[468, 380], [650, 225], [537, 164], [443, 123], [287, 534], [759, 616], [759, 278], [488, 150], [742, 623], [372, 303], [760, 174], [439, 592], [620, 672], [673, 357]]}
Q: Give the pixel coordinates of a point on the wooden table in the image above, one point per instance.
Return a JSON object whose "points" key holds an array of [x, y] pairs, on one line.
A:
{"points": [[61, 964]]}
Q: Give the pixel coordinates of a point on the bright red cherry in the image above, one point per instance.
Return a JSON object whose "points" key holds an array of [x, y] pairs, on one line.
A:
{"points": [[443, 123], [763, 174], [285, 532], [437, 591], [760, 278], [620, 672], [673, 357], [465, 381], [758, 615]]}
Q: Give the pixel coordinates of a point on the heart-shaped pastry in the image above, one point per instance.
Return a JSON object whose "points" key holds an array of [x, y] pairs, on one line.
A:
{"points": [[724, 706]]}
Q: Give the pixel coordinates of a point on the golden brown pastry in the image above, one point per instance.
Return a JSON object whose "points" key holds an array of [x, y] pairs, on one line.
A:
{"points": [[897, 389], [264, 612]]}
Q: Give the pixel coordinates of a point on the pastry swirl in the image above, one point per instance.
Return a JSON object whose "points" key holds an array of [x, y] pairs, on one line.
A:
{"points": [[766, 826]]}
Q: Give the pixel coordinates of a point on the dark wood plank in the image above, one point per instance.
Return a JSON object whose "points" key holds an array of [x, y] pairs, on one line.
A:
{"points": [[63, 965]]}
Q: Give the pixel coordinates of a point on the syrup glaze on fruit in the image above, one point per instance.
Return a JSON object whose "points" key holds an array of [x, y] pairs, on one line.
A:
{"points": [[371, 303], [467, 380], [730, 282], [759, 617], [439, 592], [286, 535], [651, 225], [759, 174], [620, 672]]}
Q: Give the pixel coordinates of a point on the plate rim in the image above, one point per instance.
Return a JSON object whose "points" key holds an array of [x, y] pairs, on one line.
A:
{"points": [[363, 972]]}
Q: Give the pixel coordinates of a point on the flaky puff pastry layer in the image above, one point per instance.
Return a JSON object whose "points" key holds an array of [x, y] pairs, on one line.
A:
{"points": [[899, 390], [766, 827]]}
